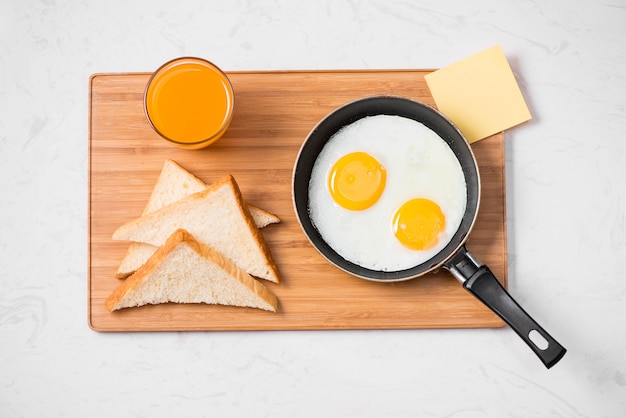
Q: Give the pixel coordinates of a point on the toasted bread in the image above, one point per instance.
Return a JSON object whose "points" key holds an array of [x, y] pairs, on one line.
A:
{"points": [[186, 271], [173, 184], [215, 216]]}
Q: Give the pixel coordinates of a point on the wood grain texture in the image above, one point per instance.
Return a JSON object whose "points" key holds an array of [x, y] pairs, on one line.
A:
{"points": [[274, 111]]}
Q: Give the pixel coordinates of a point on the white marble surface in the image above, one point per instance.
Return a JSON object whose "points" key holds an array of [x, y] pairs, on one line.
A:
{"points": [[566, 208]]}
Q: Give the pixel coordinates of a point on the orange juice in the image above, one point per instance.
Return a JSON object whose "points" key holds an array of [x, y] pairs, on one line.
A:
{"points": [[189, 101]]}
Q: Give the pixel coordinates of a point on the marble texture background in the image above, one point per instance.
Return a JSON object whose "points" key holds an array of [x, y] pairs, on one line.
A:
{"points": [[566, 209]]}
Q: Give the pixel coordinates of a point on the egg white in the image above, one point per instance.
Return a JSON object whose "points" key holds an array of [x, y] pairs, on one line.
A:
{"points": [[418, 163]]}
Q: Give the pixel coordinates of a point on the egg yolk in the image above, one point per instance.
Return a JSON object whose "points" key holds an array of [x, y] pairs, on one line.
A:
{"points": [[418, 223], [356, 181]]}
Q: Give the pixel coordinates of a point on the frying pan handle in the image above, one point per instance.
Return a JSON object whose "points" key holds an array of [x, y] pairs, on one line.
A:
{"points": [[480, 281]]}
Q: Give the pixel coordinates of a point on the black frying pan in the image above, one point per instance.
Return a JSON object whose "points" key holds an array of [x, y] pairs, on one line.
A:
{"points": [[475, 277]]}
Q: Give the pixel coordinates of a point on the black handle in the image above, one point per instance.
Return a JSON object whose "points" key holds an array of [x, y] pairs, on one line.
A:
{"points": [[480, 281]]}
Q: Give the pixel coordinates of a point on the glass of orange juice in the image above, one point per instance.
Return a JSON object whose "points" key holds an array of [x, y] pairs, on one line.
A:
{"points": [[189, 102]]}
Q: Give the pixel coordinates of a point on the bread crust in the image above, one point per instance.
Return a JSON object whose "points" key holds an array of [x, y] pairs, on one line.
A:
{"points": [[179, 237], [260, 240]]}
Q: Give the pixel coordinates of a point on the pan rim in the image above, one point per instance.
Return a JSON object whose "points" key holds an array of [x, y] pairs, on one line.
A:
{"points": [[461, 235]]}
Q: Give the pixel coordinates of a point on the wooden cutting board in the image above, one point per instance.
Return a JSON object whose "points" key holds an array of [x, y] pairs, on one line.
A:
{"points": [[274, 111]]}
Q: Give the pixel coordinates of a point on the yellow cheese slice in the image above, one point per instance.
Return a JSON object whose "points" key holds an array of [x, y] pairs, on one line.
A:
{"points": [[479, 94]]}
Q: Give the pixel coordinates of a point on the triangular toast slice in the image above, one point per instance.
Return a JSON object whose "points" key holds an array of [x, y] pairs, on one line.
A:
{"points": [[174, 183], [186, 271], [216, 216]]}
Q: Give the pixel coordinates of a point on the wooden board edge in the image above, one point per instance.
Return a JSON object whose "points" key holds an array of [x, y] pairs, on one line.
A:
{"points": [[92, 77], [496, 323], [505, 238], [300, 71]]}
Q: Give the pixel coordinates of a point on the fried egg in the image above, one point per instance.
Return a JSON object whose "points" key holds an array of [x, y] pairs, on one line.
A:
{"points": [[387, 193]]}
